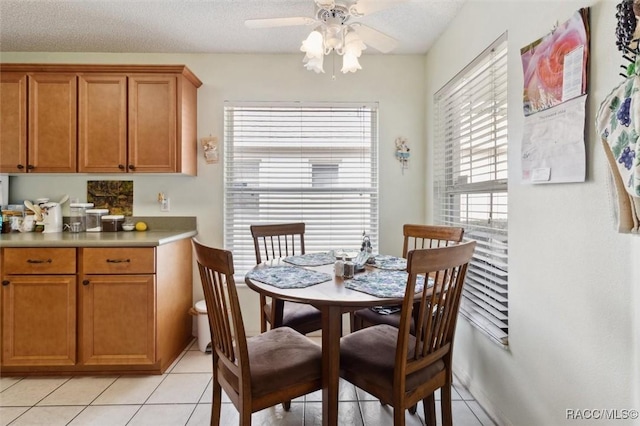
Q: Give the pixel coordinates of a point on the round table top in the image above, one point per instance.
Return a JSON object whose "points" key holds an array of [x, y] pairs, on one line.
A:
{"points": [[331, 292]]}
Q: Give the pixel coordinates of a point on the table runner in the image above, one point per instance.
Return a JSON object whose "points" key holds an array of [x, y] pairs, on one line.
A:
{"points": [[288, 276], [384, 283], [310, 259], [384, 261]]}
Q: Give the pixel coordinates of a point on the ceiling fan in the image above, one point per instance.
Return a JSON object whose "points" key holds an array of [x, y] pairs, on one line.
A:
{"points": [[336, 28]]}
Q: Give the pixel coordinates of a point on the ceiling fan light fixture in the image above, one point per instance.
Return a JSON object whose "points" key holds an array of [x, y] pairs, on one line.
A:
{"points": [[314, 64], [313, 46], [352, 50], [350, 63]]}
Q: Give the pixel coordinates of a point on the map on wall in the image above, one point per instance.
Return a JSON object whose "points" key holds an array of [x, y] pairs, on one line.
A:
{"points": [[115, 195]]}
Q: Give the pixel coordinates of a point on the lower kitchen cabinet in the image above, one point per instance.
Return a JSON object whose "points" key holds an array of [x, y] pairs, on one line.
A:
{"points": [[117, 306], [39, 320], [91, 310], [117, 320]]}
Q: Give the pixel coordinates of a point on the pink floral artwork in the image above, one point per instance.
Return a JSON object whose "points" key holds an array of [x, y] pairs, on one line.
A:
{"points": [[543, 63]]}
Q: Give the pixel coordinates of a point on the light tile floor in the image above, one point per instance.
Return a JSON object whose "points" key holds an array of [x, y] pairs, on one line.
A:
{"points": [[182, 396]]}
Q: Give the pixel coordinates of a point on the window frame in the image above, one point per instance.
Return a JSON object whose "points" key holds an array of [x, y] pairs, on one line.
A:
{"points": [[470, 140], [336, 149]]}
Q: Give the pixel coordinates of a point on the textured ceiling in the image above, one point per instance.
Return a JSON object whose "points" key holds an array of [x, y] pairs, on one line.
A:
{"points": [[192, 26]]}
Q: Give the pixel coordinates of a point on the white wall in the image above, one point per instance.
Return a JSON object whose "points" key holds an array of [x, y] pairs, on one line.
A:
{"points": [[396, 82], [574, 289]]}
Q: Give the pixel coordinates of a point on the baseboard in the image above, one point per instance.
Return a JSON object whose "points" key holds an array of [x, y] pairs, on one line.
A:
{"points": [[481, 398]]}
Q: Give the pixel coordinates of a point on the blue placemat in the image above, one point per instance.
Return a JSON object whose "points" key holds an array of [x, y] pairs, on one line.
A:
{"points": [[310, 259], [383, 261], [288, 276], [384, 283]]}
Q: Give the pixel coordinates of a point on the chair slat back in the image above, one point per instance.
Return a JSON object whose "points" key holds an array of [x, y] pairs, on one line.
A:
{"points": [[437, 309], [429, 236], [272, 241], [229, 341]]}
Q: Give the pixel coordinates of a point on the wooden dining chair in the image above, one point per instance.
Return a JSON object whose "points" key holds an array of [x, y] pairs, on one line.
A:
{"points": [[280, 240], [401, 368], [415, 237], [256, 372]]}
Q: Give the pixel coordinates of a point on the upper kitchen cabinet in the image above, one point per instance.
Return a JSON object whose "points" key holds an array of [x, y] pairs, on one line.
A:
{"points": [[52, 118], [129, 119], [38, 130], [13, 122], [102, 123]]}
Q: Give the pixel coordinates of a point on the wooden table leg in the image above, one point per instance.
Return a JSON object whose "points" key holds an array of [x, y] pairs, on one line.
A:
{"points": [[331, 322]]}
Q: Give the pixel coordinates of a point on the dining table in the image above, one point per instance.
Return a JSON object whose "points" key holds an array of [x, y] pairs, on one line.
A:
{"points": [[333, 297]]}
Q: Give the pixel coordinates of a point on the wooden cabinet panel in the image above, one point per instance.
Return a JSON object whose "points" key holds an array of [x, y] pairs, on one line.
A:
{"points": [[121, 260], [52, 123], [37, 261], [102, 122], [13, 122], [153, 123], [117, 320], [38, 320]]}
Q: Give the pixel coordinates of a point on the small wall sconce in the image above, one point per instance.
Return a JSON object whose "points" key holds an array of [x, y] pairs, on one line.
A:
{"points": [[402, 152], [210, 146]]}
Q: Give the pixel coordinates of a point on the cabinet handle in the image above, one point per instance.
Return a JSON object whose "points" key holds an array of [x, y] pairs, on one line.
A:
{"points": [[121, 166], [118, 260], [5, 282], [20, 166], [39, 261], [132, 167], [85, 282], [30, 167]]}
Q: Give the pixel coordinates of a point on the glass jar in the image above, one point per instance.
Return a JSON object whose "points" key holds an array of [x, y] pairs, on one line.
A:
{"points": [[112, 223], [94, 219], [349, 269], [79, 214]]}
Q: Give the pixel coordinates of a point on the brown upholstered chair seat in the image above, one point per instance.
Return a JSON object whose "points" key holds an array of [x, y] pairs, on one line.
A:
{"points": [[370, 317], [301, 317], [281, 358], [371, 353]]}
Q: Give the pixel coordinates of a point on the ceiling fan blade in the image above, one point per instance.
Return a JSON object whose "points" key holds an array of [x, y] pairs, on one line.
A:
{"points": [[279, 22], [367, 7], [375, 38]]}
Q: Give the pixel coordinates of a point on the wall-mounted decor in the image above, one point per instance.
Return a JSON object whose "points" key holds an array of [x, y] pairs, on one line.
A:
{"points": [[210, 146], [618, 123], [402, 152], [554, 103], [115, 195]]}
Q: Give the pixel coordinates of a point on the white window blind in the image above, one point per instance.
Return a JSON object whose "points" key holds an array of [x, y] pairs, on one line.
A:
{"points": [[470, 181], [300, 162]]}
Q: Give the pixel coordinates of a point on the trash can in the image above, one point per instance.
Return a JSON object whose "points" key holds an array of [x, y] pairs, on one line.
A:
{"points": [[204, 334]]}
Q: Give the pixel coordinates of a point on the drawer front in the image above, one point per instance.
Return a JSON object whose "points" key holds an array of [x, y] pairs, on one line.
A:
{"points": [[34, 261], [120, 260]]}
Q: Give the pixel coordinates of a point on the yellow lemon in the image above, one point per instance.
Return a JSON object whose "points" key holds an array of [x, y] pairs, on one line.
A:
{"points": [[141, 226]]}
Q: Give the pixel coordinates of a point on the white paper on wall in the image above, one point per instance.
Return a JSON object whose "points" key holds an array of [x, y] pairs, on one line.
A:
{"points": [[553, 147]]}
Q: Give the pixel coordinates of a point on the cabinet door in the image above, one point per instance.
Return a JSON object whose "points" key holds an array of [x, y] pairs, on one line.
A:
{"points": [[13, 122], [153, 123], [52, 123], [117, 320], [38, 320], [102, 123]]}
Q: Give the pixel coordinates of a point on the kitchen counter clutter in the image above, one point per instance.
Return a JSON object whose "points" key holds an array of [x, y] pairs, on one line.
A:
{"points": [[162, 230], [97, 302]]}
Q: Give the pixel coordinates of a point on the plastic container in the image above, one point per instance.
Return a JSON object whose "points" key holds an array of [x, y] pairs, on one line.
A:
{"points": [[204, 333], [79, 214], [112, 223], [94, 219]]}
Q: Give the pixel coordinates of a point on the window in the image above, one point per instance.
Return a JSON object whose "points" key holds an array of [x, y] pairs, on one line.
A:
{"points": [[312, 163], [470, 181]]}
